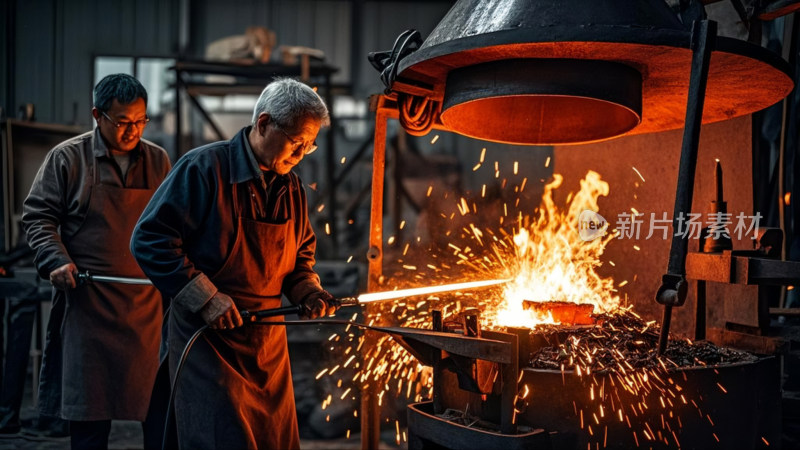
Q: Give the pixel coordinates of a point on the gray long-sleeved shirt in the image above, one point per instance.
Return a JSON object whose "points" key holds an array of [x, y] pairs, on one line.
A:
{"points": [[59, 198]]}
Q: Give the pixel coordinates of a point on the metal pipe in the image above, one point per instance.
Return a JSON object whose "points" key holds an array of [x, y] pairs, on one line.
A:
{"points": [[282, 311], [370, 411], [673, 289], [86, 277]]}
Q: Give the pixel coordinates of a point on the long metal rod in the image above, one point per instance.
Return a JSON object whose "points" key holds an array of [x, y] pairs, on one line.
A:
{"points": [[370, 411], [673, 289], [703, 35], [375, 252], [789, 53], [87, 277]]}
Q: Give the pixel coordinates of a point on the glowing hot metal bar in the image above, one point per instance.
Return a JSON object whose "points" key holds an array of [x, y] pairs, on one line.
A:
{"points": [[374, 297], [400, 293]]}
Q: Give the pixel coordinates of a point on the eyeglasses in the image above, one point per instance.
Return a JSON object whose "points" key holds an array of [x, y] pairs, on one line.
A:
{"points": [[140, 124], [306, 147]]}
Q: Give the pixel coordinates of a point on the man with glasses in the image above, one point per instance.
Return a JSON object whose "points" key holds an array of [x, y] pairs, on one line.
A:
{"points": [[102, 350], [229, 231]]}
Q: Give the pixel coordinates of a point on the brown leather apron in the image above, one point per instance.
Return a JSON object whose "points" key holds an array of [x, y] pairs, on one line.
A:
{"points": [[235, 390], [111, 331]]}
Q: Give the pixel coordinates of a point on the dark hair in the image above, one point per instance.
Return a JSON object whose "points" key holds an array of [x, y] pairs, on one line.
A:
{"points": [[123, 87]]}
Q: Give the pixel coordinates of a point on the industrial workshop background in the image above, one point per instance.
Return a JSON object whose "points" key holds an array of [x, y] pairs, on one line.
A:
{"points": [[204, 62]]}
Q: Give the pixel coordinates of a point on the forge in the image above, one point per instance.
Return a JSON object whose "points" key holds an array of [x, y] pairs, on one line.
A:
{"points": [[558, 360], [593, 386], [554, 358]]}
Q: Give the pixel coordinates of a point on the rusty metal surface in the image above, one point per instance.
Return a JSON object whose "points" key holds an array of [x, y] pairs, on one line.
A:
{"points": [[375, 252], [726, 267], [423, 343], [370, 411], [644, 35], [471, 366], [779, 8], [761, 345]]}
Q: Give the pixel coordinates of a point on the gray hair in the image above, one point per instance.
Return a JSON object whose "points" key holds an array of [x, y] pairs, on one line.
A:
{"points": [[288, 101]]}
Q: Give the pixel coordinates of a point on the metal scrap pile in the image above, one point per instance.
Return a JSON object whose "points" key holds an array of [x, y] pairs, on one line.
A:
{"points": [[620, 341]]}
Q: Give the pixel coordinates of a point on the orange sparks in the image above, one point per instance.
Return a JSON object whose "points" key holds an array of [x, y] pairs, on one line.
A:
{"points": [[638, 173]]}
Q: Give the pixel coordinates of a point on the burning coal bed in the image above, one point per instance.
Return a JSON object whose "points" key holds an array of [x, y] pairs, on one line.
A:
{"points": [[618, 343], [593, 378], [602, 384]]}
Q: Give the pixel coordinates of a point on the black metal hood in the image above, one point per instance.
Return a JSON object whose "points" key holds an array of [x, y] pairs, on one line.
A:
{"points": [[574, 71]]}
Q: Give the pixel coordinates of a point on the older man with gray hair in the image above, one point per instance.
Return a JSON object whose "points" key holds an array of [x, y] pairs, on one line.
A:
{"points": [[228, 230]]}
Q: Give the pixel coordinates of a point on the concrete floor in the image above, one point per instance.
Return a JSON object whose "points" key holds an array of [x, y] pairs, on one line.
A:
{"points": [[126, 435]]}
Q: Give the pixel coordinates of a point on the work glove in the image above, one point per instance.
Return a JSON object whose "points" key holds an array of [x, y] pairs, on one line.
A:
{"points": [[318, 304], [220, 313], [63, 278]]}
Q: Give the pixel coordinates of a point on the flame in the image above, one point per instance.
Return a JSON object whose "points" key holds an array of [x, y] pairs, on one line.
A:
{"points": [[552, 262], [539, 258]]}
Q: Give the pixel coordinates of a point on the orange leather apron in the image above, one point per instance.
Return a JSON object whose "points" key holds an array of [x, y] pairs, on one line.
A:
{"points": [[235, 390], [111, 331]]}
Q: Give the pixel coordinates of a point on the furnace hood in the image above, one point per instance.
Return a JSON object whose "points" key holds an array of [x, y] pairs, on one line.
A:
{"points": [[554, 72]]}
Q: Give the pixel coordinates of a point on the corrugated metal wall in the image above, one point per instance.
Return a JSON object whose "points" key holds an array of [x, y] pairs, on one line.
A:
{"points": [[55, 41], [49, 56]]}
